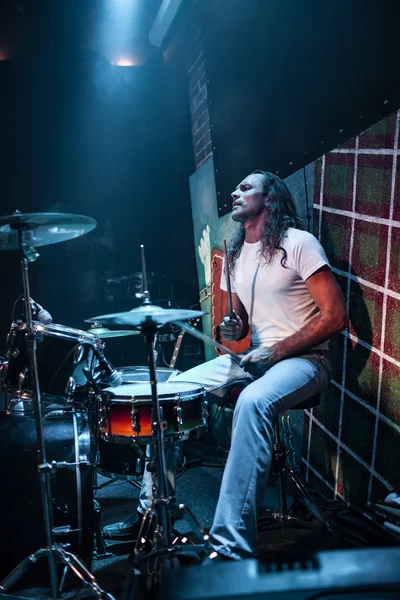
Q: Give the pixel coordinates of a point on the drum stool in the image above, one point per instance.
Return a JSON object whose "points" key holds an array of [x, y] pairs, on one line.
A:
{"points": [[287, 477]]}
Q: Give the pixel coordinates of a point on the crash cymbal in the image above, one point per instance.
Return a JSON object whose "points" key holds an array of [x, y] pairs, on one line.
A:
{"points": [[103, 333], [42, 229], [147, 313]]}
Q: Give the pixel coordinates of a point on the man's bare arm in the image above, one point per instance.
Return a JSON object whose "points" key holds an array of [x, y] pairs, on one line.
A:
{"points": [[331, 319]]}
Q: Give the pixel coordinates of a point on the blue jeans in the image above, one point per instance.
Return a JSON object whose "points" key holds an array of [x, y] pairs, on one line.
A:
{"points": [[286, 384]]}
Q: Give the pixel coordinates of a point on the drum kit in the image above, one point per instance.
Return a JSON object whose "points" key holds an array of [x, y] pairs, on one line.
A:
{"points": [[76, 415]]}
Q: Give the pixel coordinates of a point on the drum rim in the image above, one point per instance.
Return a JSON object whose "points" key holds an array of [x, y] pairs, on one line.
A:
{"points": [[144, 368], [145, 439], [171, 396]]}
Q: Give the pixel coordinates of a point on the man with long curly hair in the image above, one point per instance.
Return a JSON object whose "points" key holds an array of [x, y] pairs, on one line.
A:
{"points": [[283, 288]]}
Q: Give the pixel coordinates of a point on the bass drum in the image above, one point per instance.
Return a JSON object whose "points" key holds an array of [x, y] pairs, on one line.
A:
{"points": [[67, 438]]}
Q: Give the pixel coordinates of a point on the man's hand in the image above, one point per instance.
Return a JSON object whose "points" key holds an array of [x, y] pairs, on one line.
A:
{"points": [[231, 328], [258, 361]]}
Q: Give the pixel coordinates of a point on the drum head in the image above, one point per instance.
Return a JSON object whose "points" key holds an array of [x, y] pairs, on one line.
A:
{"points": [[142, 391], [142, 375]]}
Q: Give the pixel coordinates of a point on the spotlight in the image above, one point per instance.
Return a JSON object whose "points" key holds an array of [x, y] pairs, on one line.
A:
{"points": [[124, 61]]}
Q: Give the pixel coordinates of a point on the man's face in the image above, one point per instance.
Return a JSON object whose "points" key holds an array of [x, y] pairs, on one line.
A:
{"points": [[248, 199]]}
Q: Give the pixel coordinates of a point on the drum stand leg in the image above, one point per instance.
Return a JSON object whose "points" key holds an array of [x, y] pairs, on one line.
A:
{"points": [[58, 555], [156, 529], [100, 551], [134, 483], [54, 553]]}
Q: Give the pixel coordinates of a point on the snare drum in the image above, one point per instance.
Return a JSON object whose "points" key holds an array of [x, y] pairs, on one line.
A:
{"points": [[142, 374], [62, 355], [126, 411]]}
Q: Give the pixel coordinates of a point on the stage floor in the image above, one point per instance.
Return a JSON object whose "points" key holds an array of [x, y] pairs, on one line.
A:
{"points": [[198, 488]]}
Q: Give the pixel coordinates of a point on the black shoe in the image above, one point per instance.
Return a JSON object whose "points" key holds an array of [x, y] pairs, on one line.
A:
{"points": [[124, 531]]}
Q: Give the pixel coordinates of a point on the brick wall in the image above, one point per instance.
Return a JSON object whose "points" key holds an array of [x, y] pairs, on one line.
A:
{"points": [[200, 116]]}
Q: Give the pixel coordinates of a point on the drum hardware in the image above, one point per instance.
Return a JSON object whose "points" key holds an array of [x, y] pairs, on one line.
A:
{"points": [[70, 389], [102, 422], [62, 353], [179, 419], [21, 377], [78, 353], [112, 478], [24, 232], [135, 418], [204, 412], [17, 406], [100, 549], [149, 318]]}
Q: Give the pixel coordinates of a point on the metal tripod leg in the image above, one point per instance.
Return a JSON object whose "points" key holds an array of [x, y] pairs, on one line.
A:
{"points": [[282, 516], [307, 499], [134, 483], [69, 560], [285, 474]]}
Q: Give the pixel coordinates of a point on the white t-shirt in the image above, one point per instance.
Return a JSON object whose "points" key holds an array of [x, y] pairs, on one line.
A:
{"points": [[276, 298]]}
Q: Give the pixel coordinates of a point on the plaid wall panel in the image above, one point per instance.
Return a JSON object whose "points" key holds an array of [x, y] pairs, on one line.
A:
{"points": [[352, 441]]}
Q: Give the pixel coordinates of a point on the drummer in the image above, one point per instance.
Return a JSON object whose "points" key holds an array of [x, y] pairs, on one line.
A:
{"points": [[282, 287]]}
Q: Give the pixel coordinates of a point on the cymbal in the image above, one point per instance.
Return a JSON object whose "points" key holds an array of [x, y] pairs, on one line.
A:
{"points": [[147, 312], [103, 333], [42, 229]]}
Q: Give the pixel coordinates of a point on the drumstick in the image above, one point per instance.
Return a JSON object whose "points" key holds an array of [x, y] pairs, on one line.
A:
{"points": [[207, 340], [228, 283], [144, 274]]}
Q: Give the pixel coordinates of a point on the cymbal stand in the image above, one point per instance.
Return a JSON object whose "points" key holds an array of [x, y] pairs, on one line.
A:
{"points": [[149, 329], [160, 512], [53, 552]]}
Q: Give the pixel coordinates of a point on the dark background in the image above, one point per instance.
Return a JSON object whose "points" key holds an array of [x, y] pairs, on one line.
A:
{"points": [[80, 135]]}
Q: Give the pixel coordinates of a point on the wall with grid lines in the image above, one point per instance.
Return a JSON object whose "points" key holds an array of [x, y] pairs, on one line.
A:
{"points": [[352, 440]]}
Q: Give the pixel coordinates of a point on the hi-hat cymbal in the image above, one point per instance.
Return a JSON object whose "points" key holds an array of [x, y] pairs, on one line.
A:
{"points": [[103, 333], [147, 313], [42, 229]]}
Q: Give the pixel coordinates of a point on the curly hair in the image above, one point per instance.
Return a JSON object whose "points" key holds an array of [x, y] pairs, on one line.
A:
{"points": [[281, 215]]}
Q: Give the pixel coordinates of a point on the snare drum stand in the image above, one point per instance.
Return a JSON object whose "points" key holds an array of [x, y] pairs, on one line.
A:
{"points": [[164, 547], [55, 553]]}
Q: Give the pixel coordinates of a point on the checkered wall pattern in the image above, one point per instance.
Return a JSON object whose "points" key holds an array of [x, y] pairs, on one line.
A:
{"points": [[352, 440]]}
